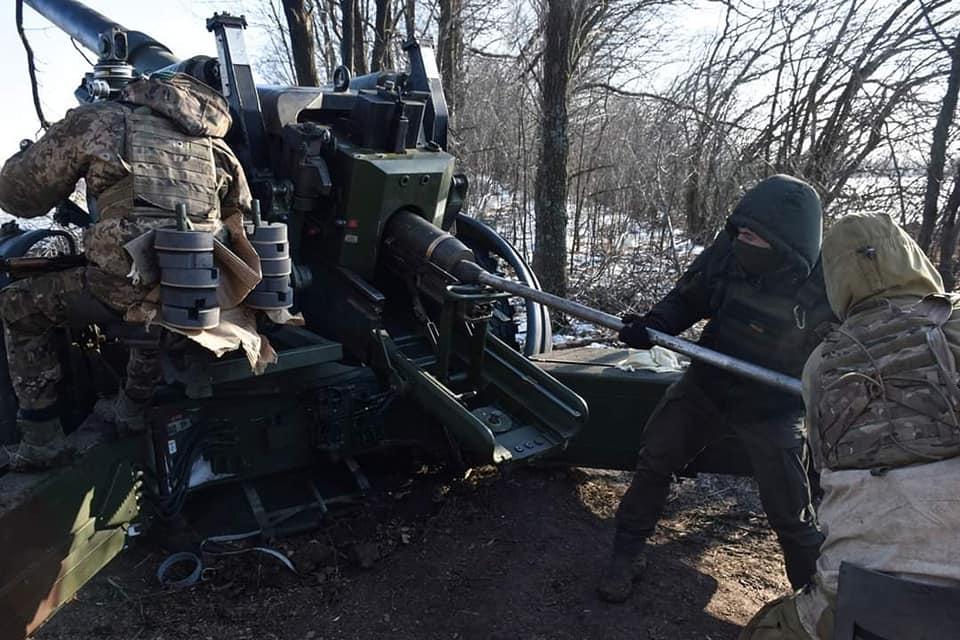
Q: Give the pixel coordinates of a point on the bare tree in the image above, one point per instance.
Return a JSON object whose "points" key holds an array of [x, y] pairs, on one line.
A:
{"points": [[410, 18], [550, 250], [382, 57], [302, 44], [348, 12], [450, 51], [938, 152], [326, 33], [950, 234]]}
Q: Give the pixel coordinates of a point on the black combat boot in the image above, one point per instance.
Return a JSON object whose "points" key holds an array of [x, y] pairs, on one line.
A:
{"points": [[800, 562], [620, 574]]}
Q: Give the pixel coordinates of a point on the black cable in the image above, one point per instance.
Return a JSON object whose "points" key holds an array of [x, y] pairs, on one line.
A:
{"points": [[82, 54], [30, 66]]}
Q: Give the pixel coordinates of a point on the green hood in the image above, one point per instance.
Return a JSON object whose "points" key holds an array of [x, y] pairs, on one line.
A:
{"points": [[785, 212], [869, 256]]}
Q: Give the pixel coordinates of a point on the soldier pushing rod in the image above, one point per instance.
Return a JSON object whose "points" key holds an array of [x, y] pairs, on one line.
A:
{"points": [[760, 286]]}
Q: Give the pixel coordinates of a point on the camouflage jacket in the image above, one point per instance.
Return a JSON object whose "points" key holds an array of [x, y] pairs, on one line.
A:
{"points": [[881, 390], [90, 143]]}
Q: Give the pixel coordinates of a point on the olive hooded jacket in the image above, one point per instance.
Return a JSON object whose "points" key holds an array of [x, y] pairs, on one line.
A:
{"points": [[903, 521]]}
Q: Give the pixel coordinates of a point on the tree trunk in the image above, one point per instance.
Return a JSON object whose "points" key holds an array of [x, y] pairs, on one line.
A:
{"points": [[691, 201], [450, 51], [359, 44], [410, 18], [382, 31], [347, 12], [950, 235], [323, 19], [550, 198], [938, 150], [302, 45]]}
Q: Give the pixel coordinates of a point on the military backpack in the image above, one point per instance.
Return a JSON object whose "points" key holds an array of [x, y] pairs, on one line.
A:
{"points": [[889, 387]]}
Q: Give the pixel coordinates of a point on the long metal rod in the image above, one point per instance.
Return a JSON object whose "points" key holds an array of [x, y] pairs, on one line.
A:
{"points": [[687, 348]]}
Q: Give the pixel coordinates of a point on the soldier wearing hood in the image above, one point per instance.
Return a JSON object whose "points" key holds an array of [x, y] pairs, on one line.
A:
{"points": [[761, 288], [883, 416], [158, 145]]}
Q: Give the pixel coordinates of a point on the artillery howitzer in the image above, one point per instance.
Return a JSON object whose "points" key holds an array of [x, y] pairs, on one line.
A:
{"points": [[404, 347]]}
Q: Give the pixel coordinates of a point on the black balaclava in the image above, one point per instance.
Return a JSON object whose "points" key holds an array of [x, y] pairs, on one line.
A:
{"points": [[756, 261]]}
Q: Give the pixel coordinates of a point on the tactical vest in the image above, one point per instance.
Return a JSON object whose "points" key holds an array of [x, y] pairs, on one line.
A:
{"points": [[889, 388], [773, 328], [167, 167]]}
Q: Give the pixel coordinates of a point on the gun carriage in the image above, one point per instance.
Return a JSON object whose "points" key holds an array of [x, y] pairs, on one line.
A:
{"points": [[403, 350]]}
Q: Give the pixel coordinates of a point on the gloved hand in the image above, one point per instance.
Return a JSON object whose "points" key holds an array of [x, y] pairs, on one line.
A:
{"points": [[634, 332]]}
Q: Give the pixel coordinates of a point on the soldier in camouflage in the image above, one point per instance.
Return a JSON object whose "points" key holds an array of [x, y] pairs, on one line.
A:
{"points": [[883, 416], [761, 288], [158, 145]]}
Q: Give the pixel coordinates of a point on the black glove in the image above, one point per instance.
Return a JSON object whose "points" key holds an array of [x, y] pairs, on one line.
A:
{"points": [[68, 212], [634, 332]]}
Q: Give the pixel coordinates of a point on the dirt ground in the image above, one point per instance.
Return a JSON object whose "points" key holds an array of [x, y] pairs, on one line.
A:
{"points": [[511, 554]]}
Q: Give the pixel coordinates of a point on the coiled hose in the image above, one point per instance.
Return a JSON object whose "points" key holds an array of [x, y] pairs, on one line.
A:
{"points": [[477, 234]]}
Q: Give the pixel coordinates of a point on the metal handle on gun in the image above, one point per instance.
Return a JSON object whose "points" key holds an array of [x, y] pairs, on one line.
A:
{"points": [[721, 360]]}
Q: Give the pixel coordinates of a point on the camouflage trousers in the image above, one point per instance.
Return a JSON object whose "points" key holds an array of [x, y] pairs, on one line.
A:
{"points": [[32, 308]]}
